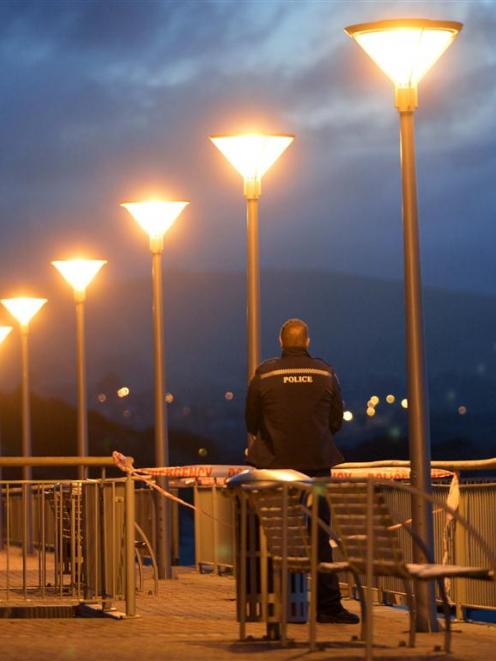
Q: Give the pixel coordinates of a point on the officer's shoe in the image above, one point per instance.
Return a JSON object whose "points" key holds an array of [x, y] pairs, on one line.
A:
{"points": [[341, 616]]}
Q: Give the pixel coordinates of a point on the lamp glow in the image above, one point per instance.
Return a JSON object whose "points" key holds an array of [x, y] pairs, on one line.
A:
{"points": [[79, 272], [252, 154], [24, 308], [155, 216], [4, 331], [405, 49]]}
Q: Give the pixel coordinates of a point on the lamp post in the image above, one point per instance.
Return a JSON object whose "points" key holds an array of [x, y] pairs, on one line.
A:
{"points": [[23, 310], [156, 217], [405, 50], [79, 273], [252, 155], [4, 331]]}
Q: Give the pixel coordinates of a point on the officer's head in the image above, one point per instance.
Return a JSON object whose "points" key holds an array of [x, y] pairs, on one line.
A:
{"points": [[294, 334]]}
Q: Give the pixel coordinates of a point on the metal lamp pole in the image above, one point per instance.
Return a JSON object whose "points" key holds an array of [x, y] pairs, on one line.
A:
{"points": [[418, 407], [405, 49], [82, 426], [252, 190], [27, 471], [25, 401], [4, 331], [164, 523]]}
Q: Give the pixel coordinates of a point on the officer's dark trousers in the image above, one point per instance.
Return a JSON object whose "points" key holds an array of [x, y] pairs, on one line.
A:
{"points": [[328, 592]]}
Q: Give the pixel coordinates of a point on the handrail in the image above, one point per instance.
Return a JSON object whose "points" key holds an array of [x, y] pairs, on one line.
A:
{"points": [[469, 464], [56, 461]]}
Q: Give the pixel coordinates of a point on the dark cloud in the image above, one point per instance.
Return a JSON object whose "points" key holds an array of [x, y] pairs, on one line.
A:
{"points": [[106, 100]]}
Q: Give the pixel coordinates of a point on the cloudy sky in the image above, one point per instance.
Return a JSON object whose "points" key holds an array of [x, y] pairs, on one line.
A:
{"points": [[109, 101]]}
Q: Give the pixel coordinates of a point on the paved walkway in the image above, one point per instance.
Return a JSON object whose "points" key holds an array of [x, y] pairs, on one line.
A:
{"points": [[194, 618]]}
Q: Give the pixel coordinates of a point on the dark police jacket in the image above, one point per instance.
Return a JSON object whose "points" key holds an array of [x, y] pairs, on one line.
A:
{"points": [[293, 408]]}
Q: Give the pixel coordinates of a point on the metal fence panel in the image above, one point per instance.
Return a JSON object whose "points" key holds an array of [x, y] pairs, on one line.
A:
{"points": [[83, 540]]}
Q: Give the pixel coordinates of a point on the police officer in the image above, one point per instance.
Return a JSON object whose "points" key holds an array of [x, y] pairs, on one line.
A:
{"points": [[293, 409]]}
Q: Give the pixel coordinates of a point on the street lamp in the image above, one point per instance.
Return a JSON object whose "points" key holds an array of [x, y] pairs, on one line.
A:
{"points": [[405, 50], [252, 155], [156, 217], [79, 273], [23, 310]]}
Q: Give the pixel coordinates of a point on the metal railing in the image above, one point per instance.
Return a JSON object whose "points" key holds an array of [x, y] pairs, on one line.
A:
{"points": [[74, 540], [477, 504]]}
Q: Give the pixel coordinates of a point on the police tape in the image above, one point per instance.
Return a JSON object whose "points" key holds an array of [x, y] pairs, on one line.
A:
{"points": [[384, 473], [196, 471], [147, 475]]}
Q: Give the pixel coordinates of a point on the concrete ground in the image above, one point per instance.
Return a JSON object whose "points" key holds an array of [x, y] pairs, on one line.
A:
{"points": [[193, 617]]}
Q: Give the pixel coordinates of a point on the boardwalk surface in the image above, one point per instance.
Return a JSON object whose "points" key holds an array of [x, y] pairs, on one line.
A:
{"points": [[193, 617]]}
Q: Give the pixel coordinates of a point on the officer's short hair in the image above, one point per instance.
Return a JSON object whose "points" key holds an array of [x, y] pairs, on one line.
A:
{"points": [[294, 333]]}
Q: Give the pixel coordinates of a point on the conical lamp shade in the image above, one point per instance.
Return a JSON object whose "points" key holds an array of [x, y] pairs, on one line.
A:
{"points": [[155, 216], [79, 272], [23, 308], [252, 154], [405, 49]]}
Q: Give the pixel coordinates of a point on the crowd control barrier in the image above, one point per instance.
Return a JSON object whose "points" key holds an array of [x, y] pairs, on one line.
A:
{"points": [[72, 541]]}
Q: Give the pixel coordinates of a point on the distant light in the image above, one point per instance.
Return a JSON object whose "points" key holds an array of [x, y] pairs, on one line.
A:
{"points": [[202, 452], [123, 392], [374, 400], [186, 410], [229, 395], [169, 398], [404, 403], [102, 397], [126, 413], [395, 432], [462, 410], [348, 416], [390, 399], [371, 411], [450, 395]]}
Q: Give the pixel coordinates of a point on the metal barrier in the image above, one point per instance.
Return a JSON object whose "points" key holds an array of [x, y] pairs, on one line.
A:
{"points": [[74, 540], [476, 504], [477, 498], [214, 525]]}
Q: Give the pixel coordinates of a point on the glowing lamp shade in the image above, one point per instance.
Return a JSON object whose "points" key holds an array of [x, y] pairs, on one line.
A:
{"points": [[79, 272], [155, 216], [4, 331], [23, 309], [405, 49], [252, 154]]}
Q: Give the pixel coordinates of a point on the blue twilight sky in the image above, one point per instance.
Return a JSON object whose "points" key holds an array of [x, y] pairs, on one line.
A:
{"points": [[107, 101]]}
